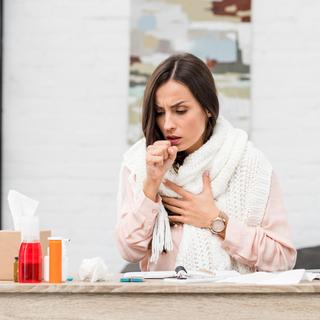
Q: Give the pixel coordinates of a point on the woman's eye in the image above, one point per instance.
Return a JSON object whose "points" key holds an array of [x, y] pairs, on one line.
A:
{"points": [[159, 112]]}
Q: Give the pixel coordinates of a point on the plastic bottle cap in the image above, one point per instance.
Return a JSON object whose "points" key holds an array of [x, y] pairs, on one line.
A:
{"points": [[30, 228]]}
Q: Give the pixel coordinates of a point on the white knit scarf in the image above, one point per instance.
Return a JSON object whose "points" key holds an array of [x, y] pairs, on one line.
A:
{"points": [[240, 180]]}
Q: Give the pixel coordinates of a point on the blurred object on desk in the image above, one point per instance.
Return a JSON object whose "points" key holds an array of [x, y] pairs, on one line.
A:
{"points": [[308, 258]]}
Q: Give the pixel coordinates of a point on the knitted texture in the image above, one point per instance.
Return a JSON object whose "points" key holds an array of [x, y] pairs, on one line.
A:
{"points": [[240, 181]]}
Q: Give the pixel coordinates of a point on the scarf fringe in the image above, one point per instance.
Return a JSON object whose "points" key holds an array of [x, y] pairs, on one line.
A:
{"points": [[161, 238]]}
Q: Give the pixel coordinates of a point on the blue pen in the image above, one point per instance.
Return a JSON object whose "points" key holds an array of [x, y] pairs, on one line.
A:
{"points": [[137, 279], [133, 279]]}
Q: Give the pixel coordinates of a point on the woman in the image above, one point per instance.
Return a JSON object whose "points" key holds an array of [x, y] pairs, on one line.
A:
{"points": [[194, 170]]}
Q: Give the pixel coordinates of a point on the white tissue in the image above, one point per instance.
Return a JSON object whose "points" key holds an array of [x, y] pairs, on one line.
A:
{"points": [[21, 206], [93, 270]]}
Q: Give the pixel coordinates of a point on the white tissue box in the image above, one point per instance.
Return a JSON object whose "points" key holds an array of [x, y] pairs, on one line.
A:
{"points": [[9, 248]]}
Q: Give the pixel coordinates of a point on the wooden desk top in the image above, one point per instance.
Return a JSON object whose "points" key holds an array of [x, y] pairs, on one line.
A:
{"points": [[155, 286]]}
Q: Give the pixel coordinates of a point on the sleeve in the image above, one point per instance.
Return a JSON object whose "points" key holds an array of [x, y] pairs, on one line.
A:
{"points": [[266, 247], [136, 219]]}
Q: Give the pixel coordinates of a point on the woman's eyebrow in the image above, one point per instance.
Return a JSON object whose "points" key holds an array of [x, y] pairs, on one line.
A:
{"points": [[174, 105]]}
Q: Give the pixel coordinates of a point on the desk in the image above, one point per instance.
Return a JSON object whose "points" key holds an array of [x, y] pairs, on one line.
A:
{"points": [[155, 299]]}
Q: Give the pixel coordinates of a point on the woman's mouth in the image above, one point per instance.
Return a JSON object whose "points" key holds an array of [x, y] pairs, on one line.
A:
{"points": [[174, 140]]}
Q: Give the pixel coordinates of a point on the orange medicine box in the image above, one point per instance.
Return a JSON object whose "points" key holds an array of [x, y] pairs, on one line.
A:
{"points": [[9, 248]]}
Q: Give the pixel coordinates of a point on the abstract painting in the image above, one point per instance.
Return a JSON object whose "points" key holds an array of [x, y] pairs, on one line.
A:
{"points": [[218, 32]]}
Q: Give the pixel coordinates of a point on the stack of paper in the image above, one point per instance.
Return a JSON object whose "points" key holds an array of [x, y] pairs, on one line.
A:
{"points": [[261, 278]]}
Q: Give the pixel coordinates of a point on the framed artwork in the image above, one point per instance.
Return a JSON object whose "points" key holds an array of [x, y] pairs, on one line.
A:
{"points": [[218, 32]]}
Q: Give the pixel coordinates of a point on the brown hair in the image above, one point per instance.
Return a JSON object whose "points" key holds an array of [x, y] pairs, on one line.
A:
{"points": [[192, 72]]}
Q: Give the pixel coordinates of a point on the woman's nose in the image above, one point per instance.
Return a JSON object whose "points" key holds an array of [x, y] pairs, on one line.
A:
{"points": [[168, 122]]}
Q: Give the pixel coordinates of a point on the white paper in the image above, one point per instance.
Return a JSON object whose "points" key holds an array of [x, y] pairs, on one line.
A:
{"points": [[311, 275], [262, 278], [200, 277], [189, 280], [269, 278], [151, 274], [193, 276]]}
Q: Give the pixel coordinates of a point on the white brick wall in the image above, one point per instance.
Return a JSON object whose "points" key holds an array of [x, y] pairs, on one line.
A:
{"points": [[65, 112], [65, 98], [286, 105]]}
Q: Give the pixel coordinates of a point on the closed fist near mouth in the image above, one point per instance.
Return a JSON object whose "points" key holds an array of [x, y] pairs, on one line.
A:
{"points": [[159, 159]]}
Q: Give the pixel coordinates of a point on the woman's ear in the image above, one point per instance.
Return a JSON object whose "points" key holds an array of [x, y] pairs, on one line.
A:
{"points": [[209, 114]]}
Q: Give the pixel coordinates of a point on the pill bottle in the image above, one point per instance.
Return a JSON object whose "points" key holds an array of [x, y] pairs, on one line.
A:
{"points": [[55, 259]]}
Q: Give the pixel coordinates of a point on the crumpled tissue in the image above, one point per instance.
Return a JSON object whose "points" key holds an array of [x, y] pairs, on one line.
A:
{"points": [[93, 270]]}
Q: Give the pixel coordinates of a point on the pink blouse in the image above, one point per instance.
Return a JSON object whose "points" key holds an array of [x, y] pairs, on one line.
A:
{"points": [[266, 247]]}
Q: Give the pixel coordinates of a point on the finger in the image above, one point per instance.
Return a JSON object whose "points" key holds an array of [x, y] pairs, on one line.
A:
{"points": [[162, 143], [172, 152], [179, 190], [177, 219], [175, 209], [159, 150], [206, 181], [165, 145], [164, 151], [173, 202], [154, 160]]}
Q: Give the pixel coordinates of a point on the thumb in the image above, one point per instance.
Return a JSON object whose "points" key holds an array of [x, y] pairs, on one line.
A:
{"points": [[206, 181], [172, 152]]}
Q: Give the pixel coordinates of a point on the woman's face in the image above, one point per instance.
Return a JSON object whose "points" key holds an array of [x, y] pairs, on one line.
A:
{"points": [[180, 117]]}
